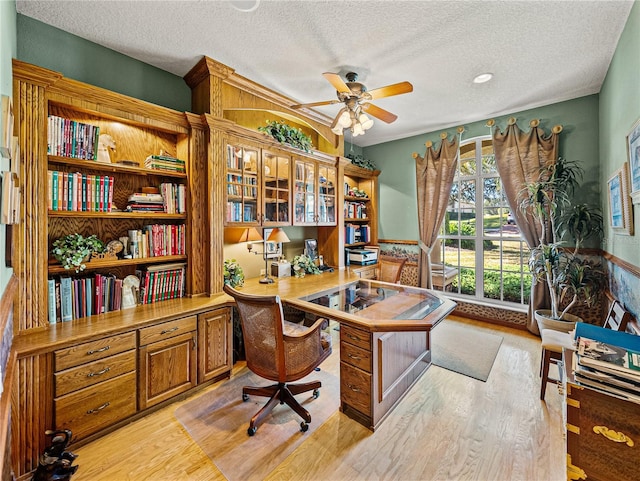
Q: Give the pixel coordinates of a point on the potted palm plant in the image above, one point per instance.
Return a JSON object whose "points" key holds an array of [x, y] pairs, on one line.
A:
{"points": [[570, 278]]}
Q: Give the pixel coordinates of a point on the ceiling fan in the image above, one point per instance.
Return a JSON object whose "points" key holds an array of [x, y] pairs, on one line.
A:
{"points": [[357, 100]]}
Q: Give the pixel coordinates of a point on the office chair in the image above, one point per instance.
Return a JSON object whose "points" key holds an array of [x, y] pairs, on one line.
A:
{"points": [[390, 268], [281, 351]]}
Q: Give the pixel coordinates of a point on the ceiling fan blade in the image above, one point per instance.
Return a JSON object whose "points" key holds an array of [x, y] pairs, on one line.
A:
{"points": [[379, 113], [389, 90], [316, 104], [337, 82]]}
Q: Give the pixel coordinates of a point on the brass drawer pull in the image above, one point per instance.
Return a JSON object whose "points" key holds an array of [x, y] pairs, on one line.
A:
{"points": [[353, 388], [97, 410], [167, 331], [354, 338], [355, 358], [615, 436], [99, 373], [94, 351]]}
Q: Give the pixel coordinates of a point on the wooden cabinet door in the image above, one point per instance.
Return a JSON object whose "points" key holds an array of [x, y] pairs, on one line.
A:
{"points": [[215, 344], [167, 368], [327, 214]]}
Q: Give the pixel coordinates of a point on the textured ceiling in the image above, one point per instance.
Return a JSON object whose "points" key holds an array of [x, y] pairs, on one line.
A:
{"points": [[539, 51]]}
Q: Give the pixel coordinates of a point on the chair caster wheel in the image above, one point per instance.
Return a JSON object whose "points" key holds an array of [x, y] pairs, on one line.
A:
{"points": [[316, 393], [245, 398], [251, 431], [304, 427]]}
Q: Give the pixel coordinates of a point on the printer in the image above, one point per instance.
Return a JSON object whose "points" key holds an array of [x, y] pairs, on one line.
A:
{"points": [[362, 257]]}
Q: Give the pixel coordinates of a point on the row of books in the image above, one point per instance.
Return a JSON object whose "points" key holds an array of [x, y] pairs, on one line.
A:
{"points": [[239, 212], [71, 298], [608, 361], [355, 210], [354, 233], [165, 162], [74, 298], [74, 191], [157, 240], [162, 282], [68, 138], [172, 199]]}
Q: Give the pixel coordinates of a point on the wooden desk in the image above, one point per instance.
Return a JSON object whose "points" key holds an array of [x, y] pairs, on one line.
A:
{"points": [[380, 357]]}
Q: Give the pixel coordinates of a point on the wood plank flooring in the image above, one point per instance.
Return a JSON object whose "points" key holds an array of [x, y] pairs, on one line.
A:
{"points": [[448, 427]]}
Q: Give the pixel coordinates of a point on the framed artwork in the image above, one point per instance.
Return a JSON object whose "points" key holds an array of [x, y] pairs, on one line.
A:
{"points": [[272, 250], [620, 210], [633, 154]]}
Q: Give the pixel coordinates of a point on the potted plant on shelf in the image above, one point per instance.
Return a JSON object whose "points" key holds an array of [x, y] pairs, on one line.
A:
{"points": [[233, 273], [302, 265], [570, 279], [73, 250], [285, 134]]}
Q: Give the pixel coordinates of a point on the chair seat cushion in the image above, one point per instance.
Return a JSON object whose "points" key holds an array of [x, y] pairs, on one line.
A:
{"points": [[555, 341], [291, 328]]}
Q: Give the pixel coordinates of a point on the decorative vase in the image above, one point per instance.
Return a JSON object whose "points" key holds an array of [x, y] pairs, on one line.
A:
{"points": [[545, 321], [300, 273]]}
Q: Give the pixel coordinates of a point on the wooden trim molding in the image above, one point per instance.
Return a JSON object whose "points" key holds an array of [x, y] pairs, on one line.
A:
{"points": [[630, 268], [6, 310]]}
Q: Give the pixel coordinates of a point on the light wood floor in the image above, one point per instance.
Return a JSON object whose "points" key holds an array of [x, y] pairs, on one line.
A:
{"points": [[449, 427]]}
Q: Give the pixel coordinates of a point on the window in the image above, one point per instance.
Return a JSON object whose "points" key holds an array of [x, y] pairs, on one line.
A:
{"points": [[483, 253]]}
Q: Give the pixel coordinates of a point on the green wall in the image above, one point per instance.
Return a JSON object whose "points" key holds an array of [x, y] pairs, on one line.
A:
{"points": [[398, 207], [7, 52], [79, 59], [619, 110]]}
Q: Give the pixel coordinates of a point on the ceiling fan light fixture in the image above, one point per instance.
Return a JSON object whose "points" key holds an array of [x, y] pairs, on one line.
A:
{"points": [[357, 129], [482, 78], [337, 129], [345, 119]]}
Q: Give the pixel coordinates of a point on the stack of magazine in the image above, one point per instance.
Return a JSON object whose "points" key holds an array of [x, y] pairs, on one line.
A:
{"points": [[608, 361]]}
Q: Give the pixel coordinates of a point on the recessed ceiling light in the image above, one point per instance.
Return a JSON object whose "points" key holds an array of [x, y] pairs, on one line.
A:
{"points": [[482, 78], [245, 5]]}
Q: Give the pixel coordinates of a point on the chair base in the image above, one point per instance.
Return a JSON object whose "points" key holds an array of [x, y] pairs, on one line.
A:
{"points": [[280, 393]]}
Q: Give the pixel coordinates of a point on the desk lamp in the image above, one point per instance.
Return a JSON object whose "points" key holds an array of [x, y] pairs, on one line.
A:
{"points": [[277, 235]]}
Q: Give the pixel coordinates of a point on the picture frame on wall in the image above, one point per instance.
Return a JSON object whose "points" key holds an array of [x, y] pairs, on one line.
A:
{"points": [[633, 154], [272, 250], [620, 209]]}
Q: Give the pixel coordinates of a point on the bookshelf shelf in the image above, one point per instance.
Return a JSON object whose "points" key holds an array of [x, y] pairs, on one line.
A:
{"points": [[357, 219], [360, 211], [114, 168], [57, 269], [118, 215]]}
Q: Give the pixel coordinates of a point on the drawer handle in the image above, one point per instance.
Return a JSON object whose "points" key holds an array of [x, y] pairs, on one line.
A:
{"points": [[354, 338], [97, 410], [353, 388], [94, 351], [167, 331], [99, 373], [356, 358], [615, 436]]}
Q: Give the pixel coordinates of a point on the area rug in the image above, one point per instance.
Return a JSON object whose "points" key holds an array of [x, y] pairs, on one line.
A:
{"points": [[218, 422], [464, 350]]}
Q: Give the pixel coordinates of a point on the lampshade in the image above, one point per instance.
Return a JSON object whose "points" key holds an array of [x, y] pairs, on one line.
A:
{"points": [[278, 235], [365, 121], [345, 119], [249, 235], [356, 129]]}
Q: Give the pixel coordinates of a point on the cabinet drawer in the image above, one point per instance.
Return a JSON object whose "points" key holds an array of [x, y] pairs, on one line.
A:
{"points": [[94, 372], [355, 388], [368, 273], [89, 410], [355, 336], [166, 330], [355, 356], [94, 350]]}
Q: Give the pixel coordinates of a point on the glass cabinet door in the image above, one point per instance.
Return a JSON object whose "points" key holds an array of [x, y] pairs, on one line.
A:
{"points": [[277, 186], [326, 195], [304, 192], [242, 185]]}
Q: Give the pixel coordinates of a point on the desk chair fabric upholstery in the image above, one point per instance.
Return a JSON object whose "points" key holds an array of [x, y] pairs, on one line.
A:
{"points": [[553, 342], [280, 351], [390, 268]]}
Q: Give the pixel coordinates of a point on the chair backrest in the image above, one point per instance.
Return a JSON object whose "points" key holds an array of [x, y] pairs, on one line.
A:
{"points": [[618, 317], [390, 268], [262, 328]]}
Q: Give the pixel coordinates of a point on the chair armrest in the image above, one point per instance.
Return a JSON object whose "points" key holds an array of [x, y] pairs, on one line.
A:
{"points": [[303, 349]]}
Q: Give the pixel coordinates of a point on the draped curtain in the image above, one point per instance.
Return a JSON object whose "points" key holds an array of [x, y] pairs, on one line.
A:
{"points": [[519, 159], [434, 178]]}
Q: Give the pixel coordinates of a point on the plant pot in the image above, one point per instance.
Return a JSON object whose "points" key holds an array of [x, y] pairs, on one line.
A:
{"points": [[566, 324]]}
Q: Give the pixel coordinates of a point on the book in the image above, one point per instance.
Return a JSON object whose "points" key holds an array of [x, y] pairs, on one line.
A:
{"points": [[51, 300], [609, 358], [586, 374], [609, 336], [66, 299]]}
